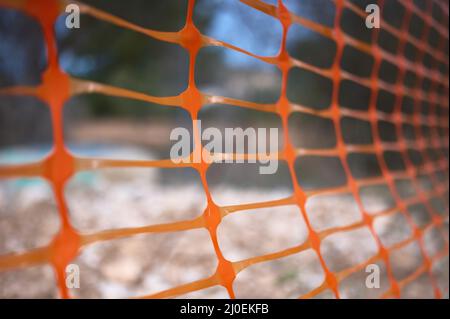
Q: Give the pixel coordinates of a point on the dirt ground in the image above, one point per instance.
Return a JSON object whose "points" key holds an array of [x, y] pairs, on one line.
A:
{"points": [[149, 263]]}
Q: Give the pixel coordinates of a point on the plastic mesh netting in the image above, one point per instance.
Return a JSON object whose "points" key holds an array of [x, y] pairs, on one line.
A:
{"points": [[61, 165]]}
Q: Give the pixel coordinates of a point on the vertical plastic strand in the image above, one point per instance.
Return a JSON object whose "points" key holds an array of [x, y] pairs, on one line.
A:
{"points": [[54, 91]]}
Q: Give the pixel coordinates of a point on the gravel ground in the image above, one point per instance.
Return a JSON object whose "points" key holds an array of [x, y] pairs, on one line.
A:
{"points": [[145, 264]]}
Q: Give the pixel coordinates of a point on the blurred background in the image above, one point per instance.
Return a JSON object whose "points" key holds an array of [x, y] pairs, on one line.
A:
{"points": [[100, 126]]}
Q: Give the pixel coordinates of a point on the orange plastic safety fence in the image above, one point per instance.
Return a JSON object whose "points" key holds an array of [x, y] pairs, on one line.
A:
{"points": [[61, 165]]}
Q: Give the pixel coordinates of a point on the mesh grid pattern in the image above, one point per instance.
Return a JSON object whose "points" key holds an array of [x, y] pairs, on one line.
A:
{"points": [[57, 87]]}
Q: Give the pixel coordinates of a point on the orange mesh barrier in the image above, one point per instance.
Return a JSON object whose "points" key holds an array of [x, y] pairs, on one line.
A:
{"points": [[61, 165]]}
